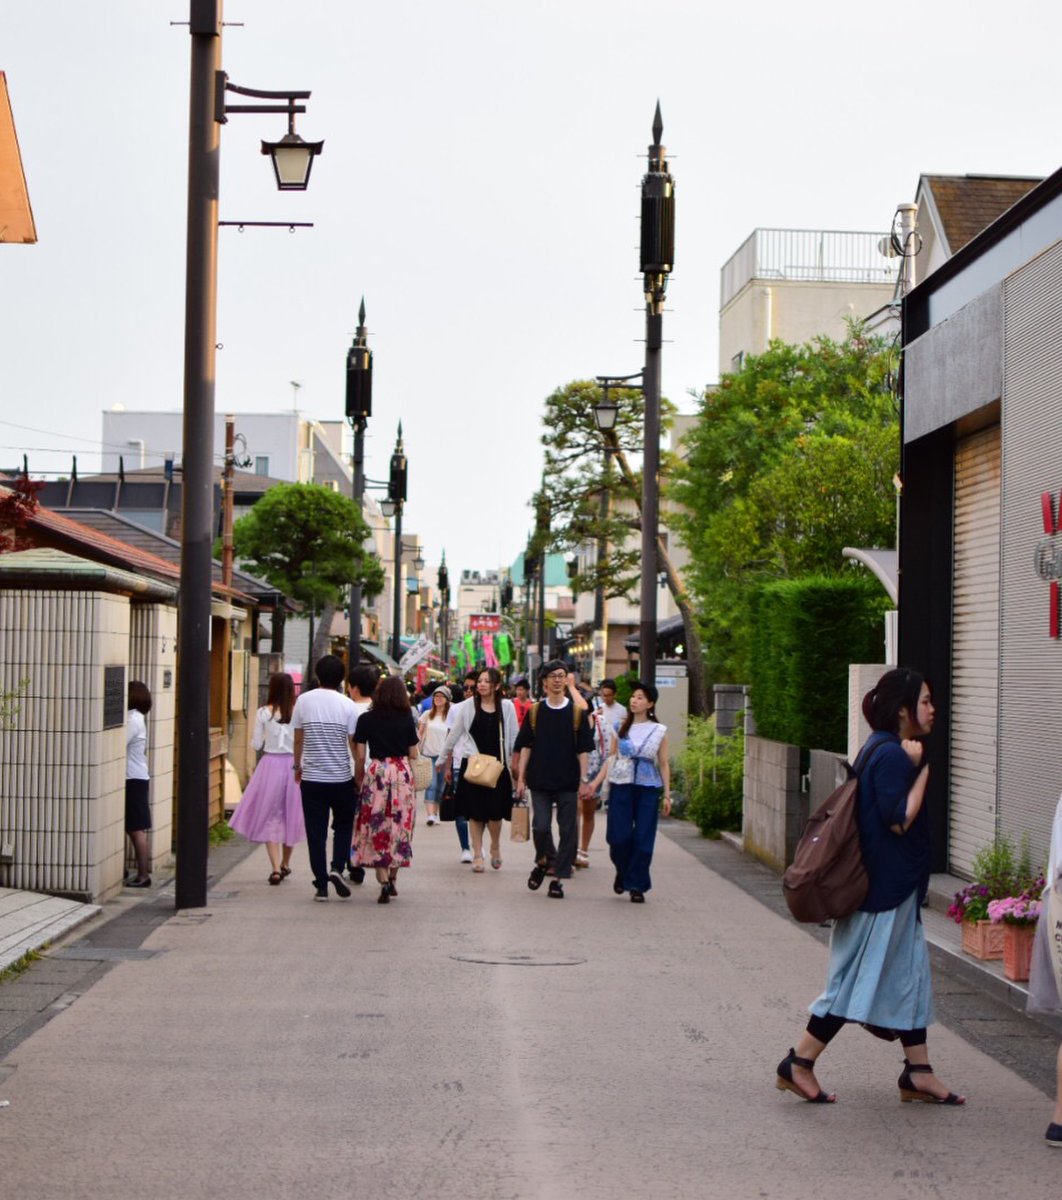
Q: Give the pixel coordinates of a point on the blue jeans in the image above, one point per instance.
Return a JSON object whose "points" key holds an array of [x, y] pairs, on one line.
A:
{"points": [[631, 833], [431, 793]]}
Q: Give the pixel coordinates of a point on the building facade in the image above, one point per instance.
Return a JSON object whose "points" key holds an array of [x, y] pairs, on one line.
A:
{"points": [[980, 551]]}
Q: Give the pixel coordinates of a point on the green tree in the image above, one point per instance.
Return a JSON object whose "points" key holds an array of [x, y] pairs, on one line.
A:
{"points": [[577, 473], [791, 460], [309, 542]]}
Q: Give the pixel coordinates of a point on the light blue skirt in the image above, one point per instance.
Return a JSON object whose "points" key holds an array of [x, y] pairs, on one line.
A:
{"points": [[879, 970]]}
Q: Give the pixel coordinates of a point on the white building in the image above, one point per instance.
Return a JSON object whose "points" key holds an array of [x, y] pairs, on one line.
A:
{"points": [[792, 285], [286, 445]]}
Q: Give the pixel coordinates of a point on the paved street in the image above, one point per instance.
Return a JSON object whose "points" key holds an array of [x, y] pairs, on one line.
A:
{"points": [[474, 1040]]}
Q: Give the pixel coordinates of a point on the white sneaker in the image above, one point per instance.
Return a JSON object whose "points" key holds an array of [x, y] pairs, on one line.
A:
{"points": [[466, 856]]}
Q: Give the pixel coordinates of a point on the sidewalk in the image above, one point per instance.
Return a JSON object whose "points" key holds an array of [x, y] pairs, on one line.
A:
{"points": [[30, 920], [474, 1040]]}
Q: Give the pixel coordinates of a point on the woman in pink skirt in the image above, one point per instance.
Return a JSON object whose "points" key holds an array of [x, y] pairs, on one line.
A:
{"points": [[271, 808], [383, 828]]}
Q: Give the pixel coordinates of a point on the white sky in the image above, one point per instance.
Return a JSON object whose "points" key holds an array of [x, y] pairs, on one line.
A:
{"points": [[479, 187]]}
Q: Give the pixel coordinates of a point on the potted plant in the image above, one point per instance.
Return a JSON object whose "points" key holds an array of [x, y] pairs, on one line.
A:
{"points": [[998, 875], [1018, 916]]}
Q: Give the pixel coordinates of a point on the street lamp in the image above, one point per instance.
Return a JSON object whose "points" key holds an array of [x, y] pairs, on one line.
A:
{"points": [[443, 581], [396, 499], [657, 261], [207, 113], [359, 409]]}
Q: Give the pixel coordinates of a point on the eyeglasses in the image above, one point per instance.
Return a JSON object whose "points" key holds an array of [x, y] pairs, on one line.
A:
{"points": [[470, 687], [558, 675]]}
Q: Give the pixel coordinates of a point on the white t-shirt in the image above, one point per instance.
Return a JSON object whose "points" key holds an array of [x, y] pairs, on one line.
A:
{"points": [[270, 735], [434, 736], [136, 746], [327, 720]]}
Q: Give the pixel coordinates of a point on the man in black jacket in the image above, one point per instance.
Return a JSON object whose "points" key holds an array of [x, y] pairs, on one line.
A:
{"points": [[554, 744]]}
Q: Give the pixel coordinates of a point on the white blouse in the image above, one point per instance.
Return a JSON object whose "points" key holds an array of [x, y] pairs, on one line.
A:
{"points": [[270, 735]]}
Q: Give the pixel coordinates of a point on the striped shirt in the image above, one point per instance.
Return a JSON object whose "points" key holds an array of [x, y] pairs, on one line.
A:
{"points": [[327, 720]]}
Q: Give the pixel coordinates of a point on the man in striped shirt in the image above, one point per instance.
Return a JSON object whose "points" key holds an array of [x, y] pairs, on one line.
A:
{"points": [[324, 721]]}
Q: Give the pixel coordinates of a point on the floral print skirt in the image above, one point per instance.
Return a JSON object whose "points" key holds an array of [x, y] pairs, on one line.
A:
{"points": [[383, 828]]}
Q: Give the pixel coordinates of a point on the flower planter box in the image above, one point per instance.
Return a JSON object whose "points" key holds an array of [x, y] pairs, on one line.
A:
{"points": [[982, 939], [1017, 951]]}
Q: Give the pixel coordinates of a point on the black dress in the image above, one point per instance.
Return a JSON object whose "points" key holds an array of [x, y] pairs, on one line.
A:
{"points": [[480, 803]]}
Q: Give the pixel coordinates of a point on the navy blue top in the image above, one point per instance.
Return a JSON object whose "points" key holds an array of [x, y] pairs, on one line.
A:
{"points": [[896, 863]]}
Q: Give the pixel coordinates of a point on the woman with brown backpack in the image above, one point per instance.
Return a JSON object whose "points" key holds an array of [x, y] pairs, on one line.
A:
{"points": [[879, 965]]}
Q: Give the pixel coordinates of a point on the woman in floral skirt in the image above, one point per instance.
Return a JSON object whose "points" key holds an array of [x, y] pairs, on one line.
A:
{"points": [[271, 808], [385, 741]]}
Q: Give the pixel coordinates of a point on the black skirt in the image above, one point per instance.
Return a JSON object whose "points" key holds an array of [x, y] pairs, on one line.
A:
{"points": [[137, 807], [476, 803]]}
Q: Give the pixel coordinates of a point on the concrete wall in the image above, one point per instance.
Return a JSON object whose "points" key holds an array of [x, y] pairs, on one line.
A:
{"points": [[861, 678], [775, 810], [729, 701], [62, 775]]}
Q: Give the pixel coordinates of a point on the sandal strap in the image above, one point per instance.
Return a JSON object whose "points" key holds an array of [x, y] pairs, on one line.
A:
{"points": [[807, 1063], [918, 1068]]}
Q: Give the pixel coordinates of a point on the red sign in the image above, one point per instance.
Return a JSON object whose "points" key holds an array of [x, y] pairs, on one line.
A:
{"points": [[1047, 558], [485, 622]]}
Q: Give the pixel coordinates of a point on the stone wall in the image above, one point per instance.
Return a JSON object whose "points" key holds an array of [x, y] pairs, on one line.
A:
{"points": [[775, 809]]}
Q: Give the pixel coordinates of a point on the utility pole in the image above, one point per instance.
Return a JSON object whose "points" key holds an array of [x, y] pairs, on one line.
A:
{"points": [[359, 409]]}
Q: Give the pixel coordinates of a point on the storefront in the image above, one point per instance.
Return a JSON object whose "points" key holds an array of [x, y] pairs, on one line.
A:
{"points": [[979, 543]]}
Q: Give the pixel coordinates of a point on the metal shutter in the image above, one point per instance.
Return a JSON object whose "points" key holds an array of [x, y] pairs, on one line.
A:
{"points": [[1030, 694], [974, 648]]}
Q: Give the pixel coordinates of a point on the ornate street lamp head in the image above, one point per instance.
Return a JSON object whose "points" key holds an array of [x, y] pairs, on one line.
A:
{"points": [[359, 373], [658, 219], [292, 160]]}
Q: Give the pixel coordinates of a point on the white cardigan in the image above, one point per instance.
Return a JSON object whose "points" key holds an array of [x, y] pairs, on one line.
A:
{"points": [[459, 741]]}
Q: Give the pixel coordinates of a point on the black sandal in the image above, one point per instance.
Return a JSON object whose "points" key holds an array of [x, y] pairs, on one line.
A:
{"points": [[285, 872], [909, 1092], [275, 878], [784, 1082], [534, 880]]}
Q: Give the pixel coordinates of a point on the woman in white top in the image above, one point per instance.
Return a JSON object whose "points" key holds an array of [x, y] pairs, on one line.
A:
{"points": [[138, 782], [432, 733], [1045, 978], [638, 773], [271, 808]]}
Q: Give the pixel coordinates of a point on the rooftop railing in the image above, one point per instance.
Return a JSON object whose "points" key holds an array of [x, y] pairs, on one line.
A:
{"points": [[807, 255]]}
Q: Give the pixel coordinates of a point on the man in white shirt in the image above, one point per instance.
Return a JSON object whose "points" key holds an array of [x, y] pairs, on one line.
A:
{"points": [[324, 721], [606, 716]]}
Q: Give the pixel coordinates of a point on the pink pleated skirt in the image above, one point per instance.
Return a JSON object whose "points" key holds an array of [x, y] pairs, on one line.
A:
{"points": [[271, 808]]}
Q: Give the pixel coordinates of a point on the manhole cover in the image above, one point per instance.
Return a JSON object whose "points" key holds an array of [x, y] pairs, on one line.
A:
{"points": [[518, 960]]}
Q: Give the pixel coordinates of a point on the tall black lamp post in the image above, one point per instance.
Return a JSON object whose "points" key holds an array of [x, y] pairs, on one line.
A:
{"points": [[443, 581], [657, 260], [292, 157], [359, 409], [393, 506]]}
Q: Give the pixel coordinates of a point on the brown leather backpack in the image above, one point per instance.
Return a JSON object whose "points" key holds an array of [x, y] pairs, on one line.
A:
{"points": [[827, 878]]}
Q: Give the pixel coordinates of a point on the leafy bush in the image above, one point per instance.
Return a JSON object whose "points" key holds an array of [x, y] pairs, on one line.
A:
{"points": [[999, 872], [807, 632], [624, 686], [712, 770]]}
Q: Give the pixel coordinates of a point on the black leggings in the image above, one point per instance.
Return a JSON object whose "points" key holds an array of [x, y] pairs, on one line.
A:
{"points": [[825, 1029]]}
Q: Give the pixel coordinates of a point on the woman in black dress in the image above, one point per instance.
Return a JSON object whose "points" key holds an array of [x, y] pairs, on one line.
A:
{"points": [[483, 724]]}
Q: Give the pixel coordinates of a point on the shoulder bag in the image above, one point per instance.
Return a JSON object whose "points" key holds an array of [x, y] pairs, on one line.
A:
{"points": [[484, 770]]}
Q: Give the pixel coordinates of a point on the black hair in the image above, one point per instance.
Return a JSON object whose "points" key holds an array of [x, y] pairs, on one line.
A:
{"points": [[364, 678], [139, 697], [607, 683], [652, 695], [496, 680], [329, 671], [896, 689], [554, 664]]}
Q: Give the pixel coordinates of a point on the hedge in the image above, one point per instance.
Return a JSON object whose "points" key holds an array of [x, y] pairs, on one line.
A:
{"points": [[806, 632]]}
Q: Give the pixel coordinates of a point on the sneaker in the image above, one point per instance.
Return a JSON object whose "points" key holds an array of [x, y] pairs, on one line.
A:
{"points": [[617, 884], [637, 897], [321, 894], [466, 856], [1053, 1136], [342, 891], [556, 890], [137, 883]]}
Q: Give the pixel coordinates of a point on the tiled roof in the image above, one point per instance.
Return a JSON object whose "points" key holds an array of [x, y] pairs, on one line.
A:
{"points": [[131, 533], [967, 204], [51, 525]]}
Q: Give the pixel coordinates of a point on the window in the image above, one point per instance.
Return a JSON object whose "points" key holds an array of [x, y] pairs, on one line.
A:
{"points": [[261, 464]]}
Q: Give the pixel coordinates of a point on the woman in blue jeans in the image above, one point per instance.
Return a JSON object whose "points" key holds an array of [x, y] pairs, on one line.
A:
{"points": [[638, 771]]}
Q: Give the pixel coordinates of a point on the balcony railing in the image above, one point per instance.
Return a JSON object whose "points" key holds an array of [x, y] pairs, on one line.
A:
{"points": [[806, 255]]}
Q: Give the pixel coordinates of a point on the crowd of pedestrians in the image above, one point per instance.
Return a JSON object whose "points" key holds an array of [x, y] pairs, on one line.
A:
{"points": [[340, 756]]}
